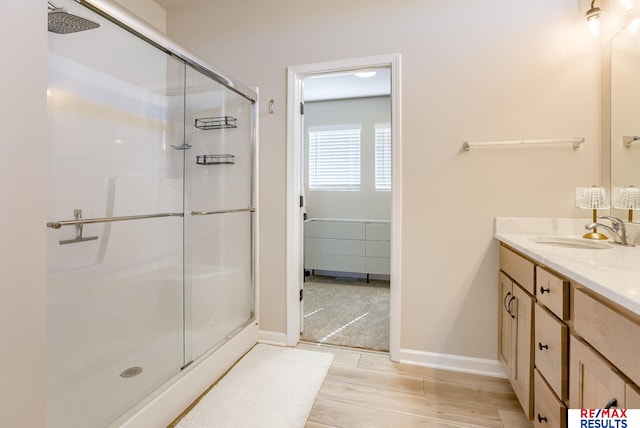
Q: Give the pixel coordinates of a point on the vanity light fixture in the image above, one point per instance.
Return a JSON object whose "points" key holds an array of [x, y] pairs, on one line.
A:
{"points": [[626, 198], [592, 198], [365, 74], [593, 17]]}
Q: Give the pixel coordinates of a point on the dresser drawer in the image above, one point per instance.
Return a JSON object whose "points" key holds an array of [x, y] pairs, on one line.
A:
{"points": [[548, 410], [334, 229], [338, 247], [518, 268], [615, 335], [553, 292], [551, 357], [377, 265], [378, 231]]}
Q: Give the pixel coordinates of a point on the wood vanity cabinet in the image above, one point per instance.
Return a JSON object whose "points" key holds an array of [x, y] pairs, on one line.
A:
{"points": [[516, 324], [604, 353], [563, 345]]}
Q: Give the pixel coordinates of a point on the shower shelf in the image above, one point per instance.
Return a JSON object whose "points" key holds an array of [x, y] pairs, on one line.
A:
{"points": [[223, 159], [222, 122]]}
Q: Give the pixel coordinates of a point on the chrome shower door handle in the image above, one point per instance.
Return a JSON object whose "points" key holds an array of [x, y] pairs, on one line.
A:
{"points": [[77, 214]]}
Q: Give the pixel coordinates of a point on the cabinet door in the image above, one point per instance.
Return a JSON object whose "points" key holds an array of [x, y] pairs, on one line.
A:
{"points": [[505, 321], [522, 335], [593, 383]]}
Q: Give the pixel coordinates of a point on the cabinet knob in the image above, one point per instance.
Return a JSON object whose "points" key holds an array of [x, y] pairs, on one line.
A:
{"points": [[541, 346], [544, 290], [542, 418], [612, 403]]}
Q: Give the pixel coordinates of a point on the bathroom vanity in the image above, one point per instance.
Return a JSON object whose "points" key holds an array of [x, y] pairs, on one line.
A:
{"points": [[569, 318]]}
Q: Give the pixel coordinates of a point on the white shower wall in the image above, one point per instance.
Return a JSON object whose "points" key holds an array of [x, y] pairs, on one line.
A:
{"points": [[154, 293]]}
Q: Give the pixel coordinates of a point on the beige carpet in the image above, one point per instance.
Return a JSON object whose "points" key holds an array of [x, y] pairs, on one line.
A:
{"points": [[270, 387], [347, 313]]}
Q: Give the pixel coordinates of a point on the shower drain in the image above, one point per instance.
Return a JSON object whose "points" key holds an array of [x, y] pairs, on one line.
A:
{"points": [[131, 372]]}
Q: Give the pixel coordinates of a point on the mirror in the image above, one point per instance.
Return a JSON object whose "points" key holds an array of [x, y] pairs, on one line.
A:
{"points": [[625, 120]]}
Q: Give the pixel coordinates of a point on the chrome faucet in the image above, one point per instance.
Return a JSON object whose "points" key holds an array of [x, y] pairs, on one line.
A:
{"points": [[617, 230]]}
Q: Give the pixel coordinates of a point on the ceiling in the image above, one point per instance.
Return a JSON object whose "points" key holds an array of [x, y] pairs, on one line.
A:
{"points": [[327, 86], [170, 4], [347, 85]]}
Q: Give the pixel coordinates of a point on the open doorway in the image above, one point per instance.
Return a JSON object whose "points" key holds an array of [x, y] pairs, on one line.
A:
{"points": [[346, 182], [345, 267]]}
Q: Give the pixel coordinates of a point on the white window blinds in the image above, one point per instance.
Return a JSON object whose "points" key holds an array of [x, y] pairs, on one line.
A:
{"points": [[334, 158], [383, 156]]}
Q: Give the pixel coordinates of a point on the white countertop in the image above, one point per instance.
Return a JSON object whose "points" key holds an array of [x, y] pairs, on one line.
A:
{"points": [[611, 272]]}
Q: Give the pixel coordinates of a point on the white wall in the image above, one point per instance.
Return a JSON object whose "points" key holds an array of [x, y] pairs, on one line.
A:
{"points": [[23, 83], [367, 203], [470, 71]]}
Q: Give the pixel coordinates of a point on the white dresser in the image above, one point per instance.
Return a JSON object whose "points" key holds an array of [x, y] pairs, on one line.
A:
{"points": [[357, 246]]}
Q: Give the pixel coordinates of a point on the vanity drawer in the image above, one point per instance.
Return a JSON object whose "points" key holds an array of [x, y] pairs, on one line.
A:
{"points": [[518, 268], [553, 292], [548, 411], [551, 356], [615, 335]]}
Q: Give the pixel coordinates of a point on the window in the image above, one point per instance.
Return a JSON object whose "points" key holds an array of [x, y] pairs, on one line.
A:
{"points": [[383, 156], [334, 158]]}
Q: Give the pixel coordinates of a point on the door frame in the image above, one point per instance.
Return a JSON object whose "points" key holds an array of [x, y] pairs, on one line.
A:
{"points": [[294, 231]]}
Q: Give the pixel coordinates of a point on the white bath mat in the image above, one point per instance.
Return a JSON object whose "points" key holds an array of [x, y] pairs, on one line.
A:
{"points": [[270, 387]]}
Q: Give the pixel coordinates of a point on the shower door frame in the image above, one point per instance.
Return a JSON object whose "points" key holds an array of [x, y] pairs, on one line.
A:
{"points": [[163, 405]]}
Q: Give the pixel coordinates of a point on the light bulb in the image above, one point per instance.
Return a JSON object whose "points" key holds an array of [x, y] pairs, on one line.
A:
{"points": [[594, 25]]}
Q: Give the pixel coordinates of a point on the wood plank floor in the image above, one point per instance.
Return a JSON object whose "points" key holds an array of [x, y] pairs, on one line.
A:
{"points": [[367, 389]]}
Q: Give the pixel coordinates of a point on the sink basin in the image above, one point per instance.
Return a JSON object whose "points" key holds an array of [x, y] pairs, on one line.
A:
{"points": [[571, 242]]}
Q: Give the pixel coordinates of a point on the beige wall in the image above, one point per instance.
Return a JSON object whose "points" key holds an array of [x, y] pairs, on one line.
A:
{"points": [[23, 82], [470, 71]]}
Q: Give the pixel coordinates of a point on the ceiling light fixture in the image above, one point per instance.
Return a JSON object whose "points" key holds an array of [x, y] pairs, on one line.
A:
{"points": [[365, 74], [593, 16]]}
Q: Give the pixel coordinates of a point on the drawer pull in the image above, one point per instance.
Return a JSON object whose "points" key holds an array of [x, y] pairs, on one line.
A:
{"points": [[541, 346], [544, 290], [542, 418], [612, 403]]}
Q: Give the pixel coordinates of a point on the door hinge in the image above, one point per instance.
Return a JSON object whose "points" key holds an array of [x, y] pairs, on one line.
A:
{"points": [[301, 201], [301, 294], [301, 108]]}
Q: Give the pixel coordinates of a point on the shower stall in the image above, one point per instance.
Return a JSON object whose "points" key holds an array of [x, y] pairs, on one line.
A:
{"points": [[151, 207]]}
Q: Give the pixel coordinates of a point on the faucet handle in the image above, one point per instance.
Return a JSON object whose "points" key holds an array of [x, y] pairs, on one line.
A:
{"points": [[615, 222]]}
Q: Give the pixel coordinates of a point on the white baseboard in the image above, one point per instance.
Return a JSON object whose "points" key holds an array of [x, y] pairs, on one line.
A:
{"points": [[272, 338], [456, 363]]}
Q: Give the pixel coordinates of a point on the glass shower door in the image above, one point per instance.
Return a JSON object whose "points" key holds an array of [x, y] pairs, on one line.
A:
{"points": [[219, 248], [115, 286]]}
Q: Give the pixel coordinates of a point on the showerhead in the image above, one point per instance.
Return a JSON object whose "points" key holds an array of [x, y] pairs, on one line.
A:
{"points": [[62, 22]]}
